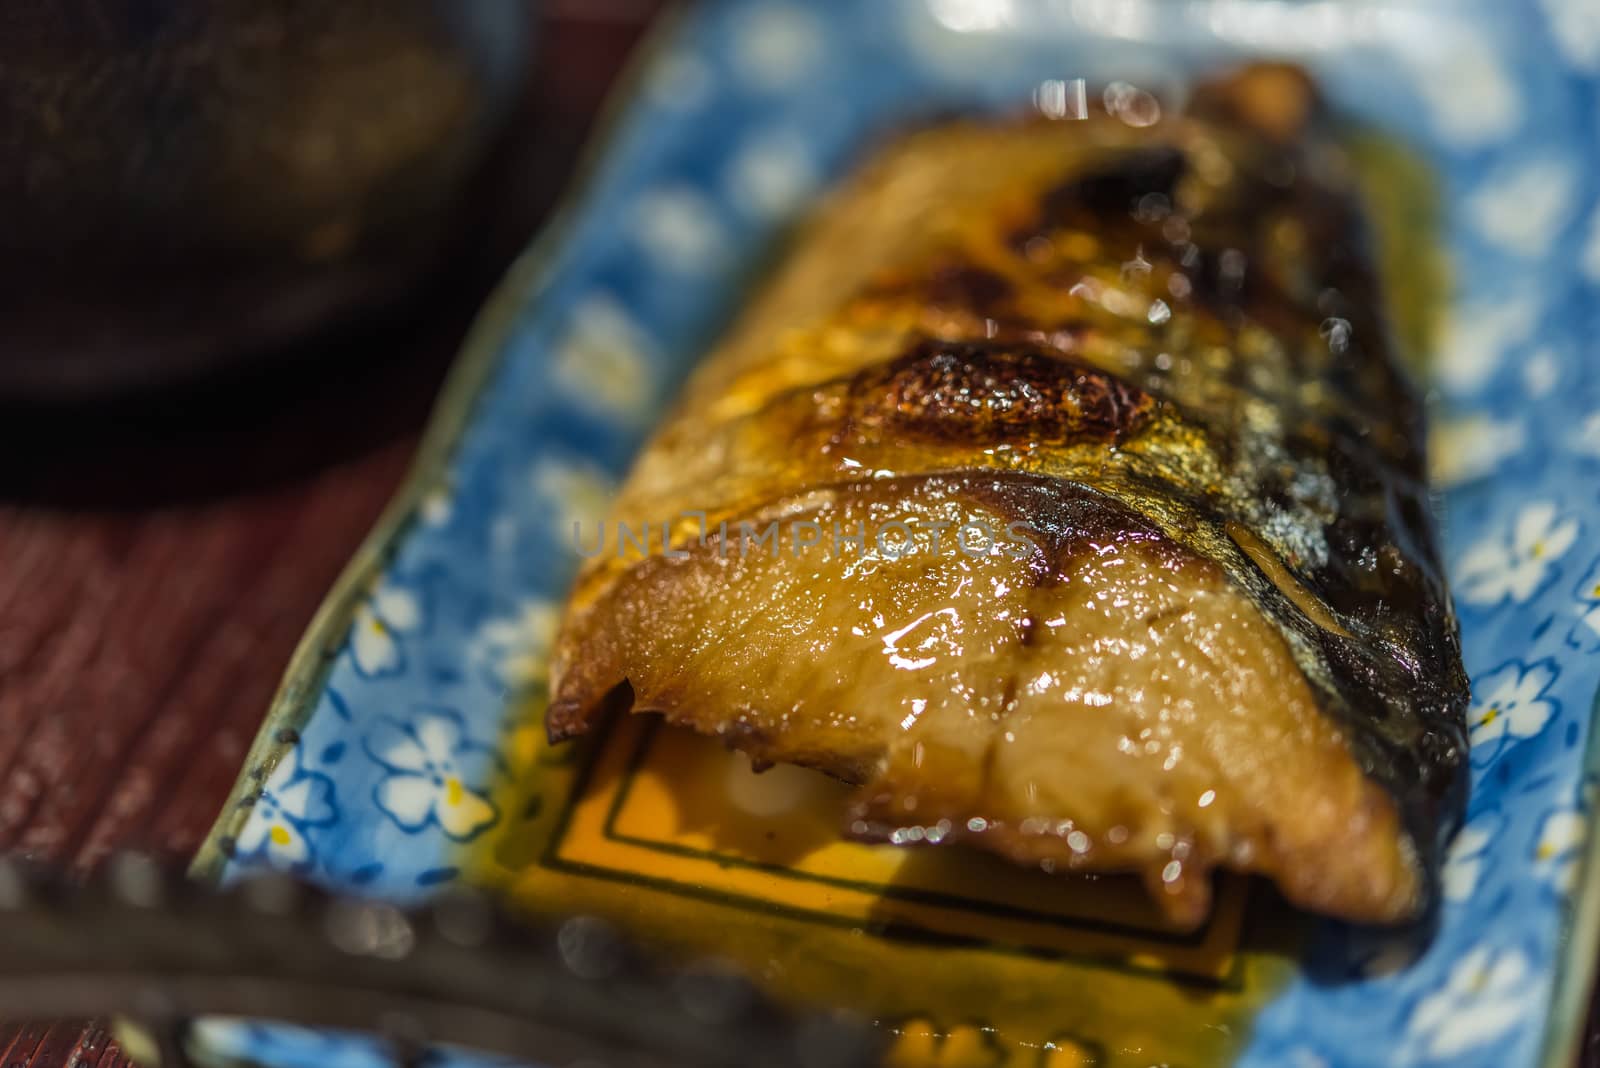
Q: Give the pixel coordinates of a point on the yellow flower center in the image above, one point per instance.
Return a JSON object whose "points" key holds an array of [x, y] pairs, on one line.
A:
{"points": [[279, 834], [1596, 591], [453, 791], [377, 626], [1490, 716], [1480, 980], [1538, 549], [1545, 851]]}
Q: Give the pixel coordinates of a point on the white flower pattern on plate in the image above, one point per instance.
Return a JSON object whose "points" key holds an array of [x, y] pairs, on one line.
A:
{"points": [[1480, 334], [1508, 705], [1470, 447], [775, 45], [1575, 25], [773, 174], [1515, 563], [604, 359], [1523, 209], [1586, 633], [390, 609], [680, 229], [577, 495], [1463, 864], [1486, 995], [515, 650], [1307, 1058], [290, 800], [436, 506], [1469, 95], [1540, 372], [1586, 439], [1561, 837], [426, 783]]}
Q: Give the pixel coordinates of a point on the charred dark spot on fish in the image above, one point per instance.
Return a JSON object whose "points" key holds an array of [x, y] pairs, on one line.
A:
{"points": [[986, 392], [1218, 278], [1119, 186], [959, 286], [1063, 519], [1113, 190], [965, 286]]}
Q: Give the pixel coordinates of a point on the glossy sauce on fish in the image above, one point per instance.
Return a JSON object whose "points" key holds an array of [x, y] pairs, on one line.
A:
{"points": [[1197, 619]]}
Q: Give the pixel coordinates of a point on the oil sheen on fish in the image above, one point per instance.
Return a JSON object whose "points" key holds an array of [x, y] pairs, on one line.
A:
{"points": [[1062, 491]]}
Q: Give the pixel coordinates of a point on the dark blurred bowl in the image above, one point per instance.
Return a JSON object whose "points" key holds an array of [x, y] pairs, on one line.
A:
{"points": [[185, 183]]}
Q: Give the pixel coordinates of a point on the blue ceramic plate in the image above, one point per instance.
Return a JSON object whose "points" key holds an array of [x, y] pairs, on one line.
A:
{"points": [[385, 760]]}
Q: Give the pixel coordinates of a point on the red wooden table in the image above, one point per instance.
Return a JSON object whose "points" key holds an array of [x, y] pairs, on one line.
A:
{"points": [[157, 566]]}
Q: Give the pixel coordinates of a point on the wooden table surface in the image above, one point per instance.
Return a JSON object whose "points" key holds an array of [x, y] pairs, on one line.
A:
{"points": [[157, 565]]}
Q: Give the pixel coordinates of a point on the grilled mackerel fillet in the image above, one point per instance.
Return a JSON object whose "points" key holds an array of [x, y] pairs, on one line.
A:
{"points": [[1196, 617]]}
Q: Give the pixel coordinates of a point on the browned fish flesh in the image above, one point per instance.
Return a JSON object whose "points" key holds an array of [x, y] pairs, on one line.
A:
{"points": [[1062, 490]]}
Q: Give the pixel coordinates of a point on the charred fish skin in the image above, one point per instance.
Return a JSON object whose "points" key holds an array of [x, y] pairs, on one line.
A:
{"points": [[1179, 321]]}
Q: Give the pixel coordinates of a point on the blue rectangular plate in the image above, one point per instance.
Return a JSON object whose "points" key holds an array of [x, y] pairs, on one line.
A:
{"points": [[379, 759]]}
